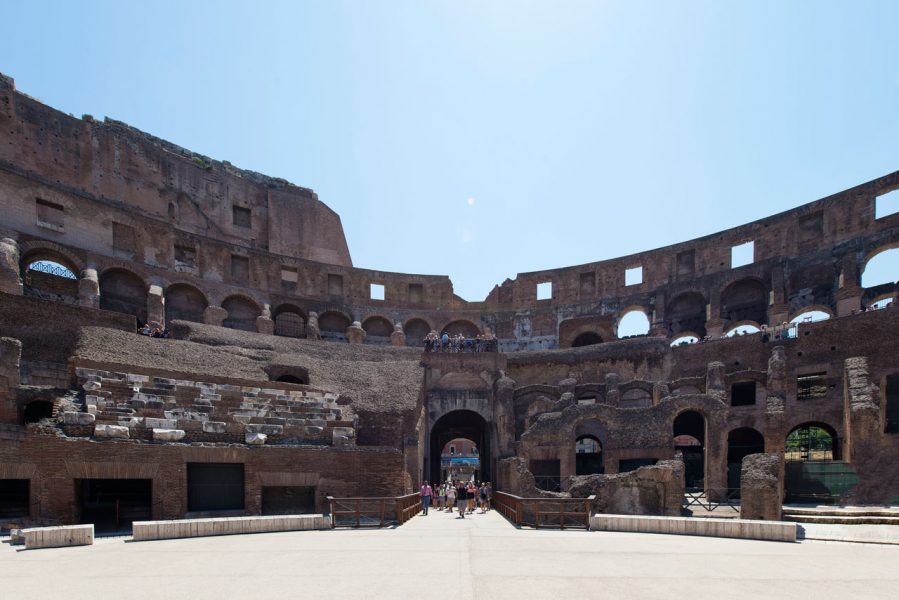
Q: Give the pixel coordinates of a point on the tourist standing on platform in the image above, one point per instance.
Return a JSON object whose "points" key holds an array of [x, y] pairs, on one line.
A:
{"points": [[426, 493], [441, 496], [472, 490], [462, 498], [450, 496], [482, 497]]}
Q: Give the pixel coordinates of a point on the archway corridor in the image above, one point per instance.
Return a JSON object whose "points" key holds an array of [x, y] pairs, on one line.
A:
{"points": [[459, 425]]}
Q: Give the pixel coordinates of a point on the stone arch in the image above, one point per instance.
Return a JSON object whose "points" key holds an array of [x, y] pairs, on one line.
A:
{"points": [[36, 250], [684, 338], [377, 329], [812, 441], [242, 312], [686, 312], [290, 321], [49, 275], [745, 300], [686, 389], [879, 267], [689, 435], [333, 324], [460, 423], [632, 326], [463, 326], [588, 458], [586, 338], [635, 395], [416, 329], [125, 292], [813, 308], [184, 302], [743, 328], [741, 442]]}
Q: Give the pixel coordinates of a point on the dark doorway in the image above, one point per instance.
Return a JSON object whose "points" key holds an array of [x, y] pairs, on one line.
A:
{"points": [[892, 404], [215, 487], [37, 410], [14, 495], [291, 379], [465, 424], [547, 474], [587, 456], [741, 443], [112, 505], [288, 500], [588, 338], [689, 440]]}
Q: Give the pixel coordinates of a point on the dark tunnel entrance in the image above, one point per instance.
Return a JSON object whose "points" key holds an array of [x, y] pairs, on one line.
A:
{"points": [[464, 424]]}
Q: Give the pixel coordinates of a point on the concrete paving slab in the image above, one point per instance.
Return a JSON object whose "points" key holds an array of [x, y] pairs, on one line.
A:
{"points": [[481, 556]]}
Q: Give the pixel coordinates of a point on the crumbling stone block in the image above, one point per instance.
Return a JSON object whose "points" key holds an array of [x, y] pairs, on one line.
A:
{"points": [[256, 439], [78, 418], [111, 431], [761, 487], [168, 435]]}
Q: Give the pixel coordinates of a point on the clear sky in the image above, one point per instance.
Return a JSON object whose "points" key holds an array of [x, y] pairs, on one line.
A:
{"points": [[480, 139]]}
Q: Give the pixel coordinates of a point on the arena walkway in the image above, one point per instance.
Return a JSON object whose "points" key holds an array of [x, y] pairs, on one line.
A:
{"points": [[440, 556]]}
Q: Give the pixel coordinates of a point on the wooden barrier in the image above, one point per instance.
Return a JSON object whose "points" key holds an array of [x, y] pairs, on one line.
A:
{"points": [[379, 511], [57, 537], [545, 513], [184, 528], [779, 531]]}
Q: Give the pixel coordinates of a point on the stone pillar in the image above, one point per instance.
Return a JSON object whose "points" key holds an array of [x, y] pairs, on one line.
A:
{"points": [[659, 328], [155, 305], [10, 283], [89, 288], [504, 415], [716, 459], [10, 358], [778, 310], [775, 402], [714, 381], [264, 322], [849, 296], [762, 487], [613, 395], [660, 390], [398, 336], [214, 315], [355, 334], [714, 324], [312, 330]]}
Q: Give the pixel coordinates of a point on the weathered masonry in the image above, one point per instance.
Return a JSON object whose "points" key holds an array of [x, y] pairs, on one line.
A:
{"points": [[290, 374]]}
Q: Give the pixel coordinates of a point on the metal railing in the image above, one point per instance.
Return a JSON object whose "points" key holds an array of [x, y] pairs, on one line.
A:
{"points": [[545, 513], [380, 511], [548, 483], [712, 499]]}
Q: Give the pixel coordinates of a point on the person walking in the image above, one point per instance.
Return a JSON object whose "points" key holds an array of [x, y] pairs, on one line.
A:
{"points": [[472, 491], [462, 498], [450, 496], [426, 494]]}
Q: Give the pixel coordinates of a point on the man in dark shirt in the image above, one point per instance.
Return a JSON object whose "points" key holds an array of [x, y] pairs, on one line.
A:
{"points": [[461, 498]]}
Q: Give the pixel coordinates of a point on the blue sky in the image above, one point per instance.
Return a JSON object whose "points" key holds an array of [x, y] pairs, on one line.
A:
{"points": [[483, 139]]}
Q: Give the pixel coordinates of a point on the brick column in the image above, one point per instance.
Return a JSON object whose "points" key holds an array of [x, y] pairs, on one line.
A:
{"points": [[155, 305], [10, 282], [89, 288]]}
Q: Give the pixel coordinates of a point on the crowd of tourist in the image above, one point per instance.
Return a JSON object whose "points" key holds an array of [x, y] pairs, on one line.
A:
{"points": [[466, 496], [435, 342], [154, 330]]}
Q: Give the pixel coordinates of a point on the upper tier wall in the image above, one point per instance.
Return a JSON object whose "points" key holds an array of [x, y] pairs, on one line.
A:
{"points": [[153, 230]]}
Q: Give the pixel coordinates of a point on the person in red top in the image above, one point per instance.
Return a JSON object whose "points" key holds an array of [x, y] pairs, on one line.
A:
{"points": [[426, 493]]}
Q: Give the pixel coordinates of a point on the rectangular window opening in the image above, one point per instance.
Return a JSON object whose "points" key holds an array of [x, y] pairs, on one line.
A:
{"points": [[545, 290], [416, 293], [742, 393], [185, 257], [240, 268], [289, 274], [886, 205], [811, 385], [588, 284], [633, 276], [122, 237], [335, 285], [744, 254], [243, 217], [376, 291], [50, 214], [686, 262]]}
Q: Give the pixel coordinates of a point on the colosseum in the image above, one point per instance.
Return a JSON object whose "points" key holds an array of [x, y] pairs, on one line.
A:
{"points": [[284, 374]]}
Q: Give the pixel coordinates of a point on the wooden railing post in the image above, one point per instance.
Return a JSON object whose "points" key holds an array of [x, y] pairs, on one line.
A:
{"points": [[331, 508]]}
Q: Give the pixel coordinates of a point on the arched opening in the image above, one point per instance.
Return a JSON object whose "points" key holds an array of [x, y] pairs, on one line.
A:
{"points": [[242, 313], [290, 321], [587, 338], [743, 329], [684, 340], [741, 443], [333, 325], [811, 442], [466, 328], [124, 292], [36, 410], [633, 323], [588, 456], [813, 285], [49, 279], [689, 440], [686, 312], [416, 331], [291, 379], [378, 330], [185, 303], [881, 269], [745, 300], [810, 316], [464, 424], [459, 459]]}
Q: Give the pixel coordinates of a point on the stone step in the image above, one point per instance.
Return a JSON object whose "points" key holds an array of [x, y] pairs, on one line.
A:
{"points": [[842, 511], [841, 520]]}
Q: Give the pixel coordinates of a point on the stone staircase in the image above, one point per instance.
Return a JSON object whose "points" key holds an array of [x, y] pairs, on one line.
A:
{"points": [[835, 515], [135, 406]]}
